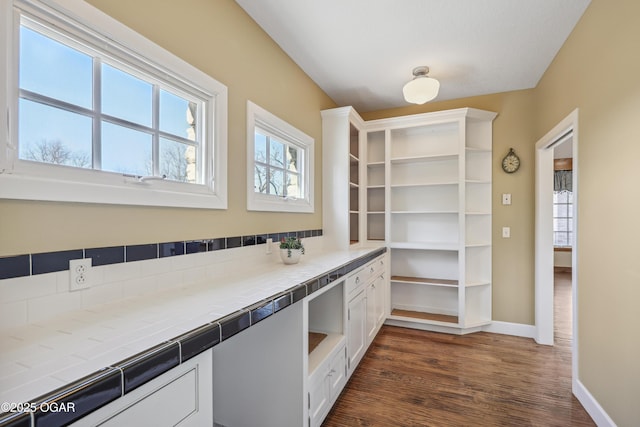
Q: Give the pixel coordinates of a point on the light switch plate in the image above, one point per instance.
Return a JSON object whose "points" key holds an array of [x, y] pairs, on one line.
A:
{"points": [[506, 232], [506, 199]]}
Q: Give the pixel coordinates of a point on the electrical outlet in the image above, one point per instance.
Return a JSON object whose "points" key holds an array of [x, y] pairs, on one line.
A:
{"points": [[79, 274], [506, 232]]}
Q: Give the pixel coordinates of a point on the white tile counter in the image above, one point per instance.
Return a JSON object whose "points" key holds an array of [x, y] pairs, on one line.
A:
{"points": [[42, 356]]}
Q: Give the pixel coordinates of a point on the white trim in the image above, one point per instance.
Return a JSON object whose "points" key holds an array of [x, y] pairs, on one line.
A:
{"points": [[261, 202], [508, 328], [26, 180], [544, 239], [591, 405]]}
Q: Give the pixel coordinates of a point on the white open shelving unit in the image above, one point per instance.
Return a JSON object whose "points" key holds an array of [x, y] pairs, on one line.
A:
{"points": [[424, 189]]}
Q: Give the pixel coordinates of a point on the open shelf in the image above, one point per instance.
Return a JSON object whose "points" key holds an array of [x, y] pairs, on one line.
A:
{"points": [[425, 281], [398, 314], [425, 158]]}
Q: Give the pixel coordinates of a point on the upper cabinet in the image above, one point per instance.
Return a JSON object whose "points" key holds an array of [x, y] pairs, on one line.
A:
{"points": [[424, 189]]}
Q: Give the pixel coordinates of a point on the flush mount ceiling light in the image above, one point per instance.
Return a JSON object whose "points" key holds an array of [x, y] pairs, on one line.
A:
{"points": [[422, 88]]}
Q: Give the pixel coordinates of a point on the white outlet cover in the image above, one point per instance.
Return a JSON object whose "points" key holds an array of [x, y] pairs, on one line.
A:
{"points": [[79, 274]]}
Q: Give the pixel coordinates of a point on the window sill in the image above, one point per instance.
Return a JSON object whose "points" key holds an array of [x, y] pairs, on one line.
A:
{"points": [[165, 194]]}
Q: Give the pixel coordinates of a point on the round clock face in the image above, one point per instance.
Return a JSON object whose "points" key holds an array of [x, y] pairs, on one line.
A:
{"points": [[511, 162]]}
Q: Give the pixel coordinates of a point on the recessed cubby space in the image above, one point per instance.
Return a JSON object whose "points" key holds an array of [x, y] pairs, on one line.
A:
{"points": [[441, 171], [375, 226], [424, 264], [424, 302], [375, 199], [375, 147], [426, 140], [478, 165], [375, 175], [433, 198], [478, 230], [440, 230], [478, 265], [479, 134], [477, 198], [326, 325], [477, 305]]}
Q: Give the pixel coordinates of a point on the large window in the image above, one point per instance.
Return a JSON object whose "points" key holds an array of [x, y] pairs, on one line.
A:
{"points": [[99, 121], [280, 164]]}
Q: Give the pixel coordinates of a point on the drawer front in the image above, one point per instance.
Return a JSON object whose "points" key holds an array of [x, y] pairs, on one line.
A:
{"points": [[356, 281]]}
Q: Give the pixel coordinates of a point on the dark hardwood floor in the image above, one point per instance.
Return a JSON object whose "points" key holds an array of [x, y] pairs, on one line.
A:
{"points": [[418, 378]]}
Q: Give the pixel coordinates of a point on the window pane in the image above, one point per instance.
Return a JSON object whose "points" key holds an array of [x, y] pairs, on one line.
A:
{"points": [[55, 70], [276, 157], [260, 179], [126, 150], [125, 96], [177, 115], [293, 186], [178, 161], [51, 135], [562, 196], [276, 183], [260, 148], [292, 159], [560, 224], [560, 211], [560, 239]]}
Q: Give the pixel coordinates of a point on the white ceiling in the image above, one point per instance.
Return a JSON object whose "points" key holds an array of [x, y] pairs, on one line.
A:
{"points": [[361, 52]]}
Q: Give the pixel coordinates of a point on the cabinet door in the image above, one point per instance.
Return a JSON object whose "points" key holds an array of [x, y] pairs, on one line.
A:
{"points": [[319, 397], [337, 374], [375, 307], [356, 329]]}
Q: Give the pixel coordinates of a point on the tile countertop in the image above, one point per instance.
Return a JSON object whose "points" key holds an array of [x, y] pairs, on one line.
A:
{"points": [[38, 358]]}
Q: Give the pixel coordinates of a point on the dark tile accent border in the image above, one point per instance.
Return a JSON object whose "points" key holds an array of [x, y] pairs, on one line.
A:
{"points": [[15, 266], [88, 394], [49, 262], [198, 340], [104, 386], [18, 419], [234, 323], [105, 256], [149, 364], [141, 252]]}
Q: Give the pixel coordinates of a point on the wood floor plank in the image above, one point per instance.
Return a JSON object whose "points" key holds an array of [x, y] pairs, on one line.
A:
{"points": [[412, 378]]}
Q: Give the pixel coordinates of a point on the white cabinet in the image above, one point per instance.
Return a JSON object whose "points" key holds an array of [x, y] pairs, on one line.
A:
{"points": [[356, 329], [366, 291], [181, 397], [342, 185], [326, 383], [425, 189]]}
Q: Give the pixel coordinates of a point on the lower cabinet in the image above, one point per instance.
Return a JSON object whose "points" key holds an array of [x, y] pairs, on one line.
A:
{"points": [[180, 397], [325, 385], [375, 306], [356, 329]]}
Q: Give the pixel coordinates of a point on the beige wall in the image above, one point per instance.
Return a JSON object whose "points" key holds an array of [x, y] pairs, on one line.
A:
{"points": [[598, 71], [220, 39]]}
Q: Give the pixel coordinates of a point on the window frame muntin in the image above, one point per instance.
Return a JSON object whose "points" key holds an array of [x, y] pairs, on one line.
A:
{"points": [[22, 180], [302, 150]]}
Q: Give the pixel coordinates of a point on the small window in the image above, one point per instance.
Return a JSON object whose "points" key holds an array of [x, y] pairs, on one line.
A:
{"points": [[280, 164], [98, 121], [562, 218]]}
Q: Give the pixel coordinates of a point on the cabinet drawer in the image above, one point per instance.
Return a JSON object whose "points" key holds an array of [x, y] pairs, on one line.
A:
{"points": [[356, 281]]}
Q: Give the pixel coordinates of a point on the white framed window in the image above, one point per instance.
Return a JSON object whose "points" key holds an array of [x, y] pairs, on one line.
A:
{"points": [[562, 218], [279, 164], [97, 113]]}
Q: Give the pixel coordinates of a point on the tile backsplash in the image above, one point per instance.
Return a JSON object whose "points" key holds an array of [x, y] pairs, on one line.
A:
{"points": [[34, 287]]}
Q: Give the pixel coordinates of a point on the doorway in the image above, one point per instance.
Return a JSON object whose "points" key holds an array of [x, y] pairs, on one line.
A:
{"points": [[564, 132]]}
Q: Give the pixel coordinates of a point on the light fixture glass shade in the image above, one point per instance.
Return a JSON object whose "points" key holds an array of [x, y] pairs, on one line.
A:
{"points": [[421, 89]]}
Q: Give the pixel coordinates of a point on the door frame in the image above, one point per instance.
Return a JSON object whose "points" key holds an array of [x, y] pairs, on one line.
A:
{"points": [[544, 239]]}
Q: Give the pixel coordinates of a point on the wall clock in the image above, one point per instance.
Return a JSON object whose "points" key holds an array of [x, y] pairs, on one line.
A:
{"points": [[511, 162]]}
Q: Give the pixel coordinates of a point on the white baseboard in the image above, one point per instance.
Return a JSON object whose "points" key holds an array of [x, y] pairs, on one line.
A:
{"points": [[507, 328], [591, 405]]}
